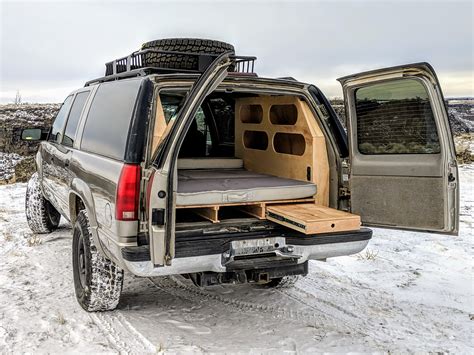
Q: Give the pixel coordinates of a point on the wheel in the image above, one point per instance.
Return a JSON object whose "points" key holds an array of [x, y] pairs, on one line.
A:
{"points": [[97, 280], [282, 282], [41, 216], [182, 61]]}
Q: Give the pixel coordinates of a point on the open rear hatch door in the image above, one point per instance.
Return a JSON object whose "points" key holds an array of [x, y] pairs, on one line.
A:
{"points": [[403, 164], [162, 184]]}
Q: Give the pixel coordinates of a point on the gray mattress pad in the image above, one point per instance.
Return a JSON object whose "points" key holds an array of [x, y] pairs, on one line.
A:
{"points": [[220, 186]]}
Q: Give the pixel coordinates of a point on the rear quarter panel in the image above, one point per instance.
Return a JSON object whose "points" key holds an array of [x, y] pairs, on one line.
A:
{"points": [[101, 175]]}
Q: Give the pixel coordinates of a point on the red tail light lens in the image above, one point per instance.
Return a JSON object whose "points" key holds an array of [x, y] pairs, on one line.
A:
{"points": [[128, 190]]}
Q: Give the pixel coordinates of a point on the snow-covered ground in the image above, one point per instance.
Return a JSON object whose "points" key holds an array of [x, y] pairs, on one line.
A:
{"points": [[408, 292]]}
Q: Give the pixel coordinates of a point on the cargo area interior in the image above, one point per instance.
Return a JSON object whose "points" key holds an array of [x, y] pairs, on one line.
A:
{"points": [[249, 158]]}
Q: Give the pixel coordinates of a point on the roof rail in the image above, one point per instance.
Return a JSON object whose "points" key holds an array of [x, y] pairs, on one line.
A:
{"points": [[138, 64]]}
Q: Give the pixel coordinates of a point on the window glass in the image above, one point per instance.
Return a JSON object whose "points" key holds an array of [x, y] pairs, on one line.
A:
{"points": [[170, 104], [395, 118], [203, 128], [55, 135], [108, 120], [203, 139], [224, 117], [73, 120], [198, 140]]}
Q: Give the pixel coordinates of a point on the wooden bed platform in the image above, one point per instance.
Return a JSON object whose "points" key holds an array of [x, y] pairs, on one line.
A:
{"points": [[302, 215], [255, 209]]}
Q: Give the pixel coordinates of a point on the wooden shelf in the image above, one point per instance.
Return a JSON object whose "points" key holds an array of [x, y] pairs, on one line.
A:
{"points": [[310, 218], [254, 209], [249, 203], [302, 215]]}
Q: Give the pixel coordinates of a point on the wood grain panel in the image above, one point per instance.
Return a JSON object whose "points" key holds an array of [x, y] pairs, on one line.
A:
{"points": [[309, 218], [280, 164]]}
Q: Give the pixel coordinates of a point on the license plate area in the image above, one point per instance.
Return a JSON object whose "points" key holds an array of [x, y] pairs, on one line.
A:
{"points": [[240, 249], [256, 246]]}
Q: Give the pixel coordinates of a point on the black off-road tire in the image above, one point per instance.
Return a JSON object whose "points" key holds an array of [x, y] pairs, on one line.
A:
{"points": [[282, 282], [181, 61], [41, 216], [97, 280]]}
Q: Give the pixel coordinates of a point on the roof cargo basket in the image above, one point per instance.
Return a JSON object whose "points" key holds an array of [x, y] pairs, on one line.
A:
{"points": [[141, 60]]}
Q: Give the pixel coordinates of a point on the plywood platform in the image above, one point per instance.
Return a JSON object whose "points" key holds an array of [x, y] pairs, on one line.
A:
{"points": [[310, 218], [255, 209]]}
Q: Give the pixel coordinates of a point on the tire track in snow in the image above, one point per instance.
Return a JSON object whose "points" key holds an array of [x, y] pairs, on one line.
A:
{"points": [[379, 312], [177, 288], [122, 335]]}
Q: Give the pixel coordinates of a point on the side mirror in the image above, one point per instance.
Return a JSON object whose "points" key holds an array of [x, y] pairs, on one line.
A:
{"points": [[32, 134]]}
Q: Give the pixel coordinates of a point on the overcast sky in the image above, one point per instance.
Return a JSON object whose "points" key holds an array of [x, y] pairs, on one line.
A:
{"points": [[51, 48]]}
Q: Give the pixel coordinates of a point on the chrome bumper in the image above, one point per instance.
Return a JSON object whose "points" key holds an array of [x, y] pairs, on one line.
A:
{"points": [[215, 262]]}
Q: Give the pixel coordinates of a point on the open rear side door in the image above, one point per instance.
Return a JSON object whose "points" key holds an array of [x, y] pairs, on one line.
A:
{"points": [[403, 164], [162, 184]]}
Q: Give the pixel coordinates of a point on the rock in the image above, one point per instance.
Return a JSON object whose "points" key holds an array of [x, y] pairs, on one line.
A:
{"points": [[16, 155], [15, 118], [25, 168]]}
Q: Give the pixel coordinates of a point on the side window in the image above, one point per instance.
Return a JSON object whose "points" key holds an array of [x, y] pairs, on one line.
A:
{"points": [[203, 128], [170, 104], [224, 114], [395, 117], [74, 116], [198, 141], [55, 135], [108, 120]]}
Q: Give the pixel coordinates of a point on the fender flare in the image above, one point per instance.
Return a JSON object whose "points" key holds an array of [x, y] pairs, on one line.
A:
{"points": [[80, 189]]}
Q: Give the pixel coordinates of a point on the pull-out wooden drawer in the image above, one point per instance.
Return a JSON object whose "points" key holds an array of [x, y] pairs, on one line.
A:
{"points": [[310, 218]]}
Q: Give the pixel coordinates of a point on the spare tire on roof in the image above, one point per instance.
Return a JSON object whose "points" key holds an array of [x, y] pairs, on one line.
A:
{"points": [[182, 61]]}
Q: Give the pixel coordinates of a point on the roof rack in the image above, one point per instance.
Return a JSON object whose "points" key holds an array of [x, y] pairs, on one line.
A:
{"points": [[138, 59], [136, 64]]}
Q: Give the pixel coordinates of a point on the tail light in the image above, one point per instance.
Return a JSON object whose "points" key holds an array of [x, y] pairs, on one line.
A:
{"points": [[128, 191]]}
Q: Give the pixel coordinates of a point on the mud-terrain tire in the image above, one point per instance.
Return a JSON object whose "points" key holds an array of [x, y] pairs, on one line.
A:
{"points": [[97, 280], [41, 216], [282, 282], [182, 61]]}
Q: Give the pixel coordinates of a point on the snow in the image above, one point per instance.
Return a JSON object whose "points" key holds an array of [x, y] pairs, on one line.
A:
{"points": [[408, 292], [8, 161]]}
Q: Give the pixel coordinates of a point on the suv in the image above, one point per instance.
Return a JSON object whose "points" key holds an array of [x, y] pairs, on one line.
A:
{"points": [[181, 160]]}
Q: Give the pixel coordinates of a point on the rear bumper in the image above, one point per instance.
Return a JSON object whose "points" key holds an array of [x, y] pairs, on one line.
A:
{"points": [[207, 256]]}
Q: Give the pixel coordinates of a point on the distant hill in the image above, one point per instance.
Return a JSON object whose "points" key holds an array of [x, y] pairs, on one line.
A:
{"points": [[16, 156]]}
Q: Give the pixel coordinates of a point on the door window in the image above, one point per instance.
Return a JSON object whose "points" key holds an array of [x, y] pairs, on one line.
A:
{"points": [[56, 130], [204, 129], [395, 117], [74, 116], [170, 104], [198, 140], [224, 118]]}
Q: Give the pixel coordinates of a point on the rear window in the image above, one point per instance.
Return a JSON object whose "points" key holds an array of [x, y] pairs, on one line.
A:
{"points": [[108, 121], [395, 117]]}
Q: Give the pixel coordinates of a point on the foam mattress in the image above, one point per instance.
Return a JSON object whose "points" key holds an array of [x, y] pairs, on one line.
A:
{"points": [[221, 186]]}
